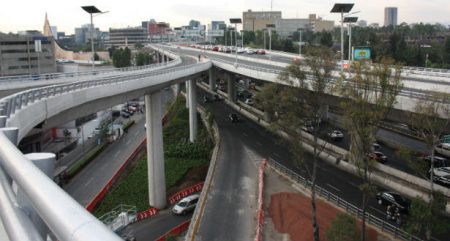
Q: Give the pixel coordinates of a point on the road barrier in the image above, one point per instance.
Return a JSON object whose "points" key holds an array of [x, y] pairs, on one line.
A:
{"points": [[175, 231], [146, 214], [185, 192], [259, 225]]}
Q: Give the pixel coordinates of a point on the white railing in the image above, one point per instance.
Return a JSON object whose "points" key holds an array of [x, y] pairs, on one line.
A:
{"points": [[66, 218]]}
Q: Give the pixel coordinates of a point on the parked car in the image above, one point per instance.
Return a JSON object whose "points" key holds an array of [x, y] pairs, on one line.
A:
{"points": [[378, 156], [336, 135], [233, 118], [438, 161], [393, 198], [125, 115], [308, 127], [443, 149], [240, 50], [442, 175], [376, 146], [215, 48], [260, 51], [249, 101], [250, 51], [206, 99], [186, 204]]}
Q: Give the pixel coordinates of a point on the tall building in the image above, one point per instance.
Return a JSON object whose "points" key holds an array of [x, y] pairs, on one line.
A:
{"points": [[253, 21], [286, 27], [194, 24], [126, 37], [216, 25], [390, 16], [18, 55], [83, 34]]}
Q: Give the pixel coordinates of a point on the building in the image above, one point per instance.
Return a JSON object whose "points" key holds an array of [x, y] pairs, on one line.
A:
{"points": [[390, 16], [158, 30], [194, 24], [254, 21], [126, 37], [319, 25], [18, 55], [216, 25], [54, 32], [286, 27], [83, 34], [362, 23]]}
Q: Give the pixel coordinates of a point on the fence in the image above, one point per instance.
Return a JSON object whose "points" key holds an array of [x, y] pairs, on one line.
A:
{"points": [[348, 207]]}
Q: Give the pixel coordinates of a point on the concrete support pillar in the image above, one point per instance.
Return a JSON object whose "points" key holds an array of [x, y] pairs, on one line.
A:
{"points": [[157, 57], [212, 80], [46, 163], [176, 89], [268, 114], [187, 93], [231, 88], [155, 151], [323, 110], [192, 111]]}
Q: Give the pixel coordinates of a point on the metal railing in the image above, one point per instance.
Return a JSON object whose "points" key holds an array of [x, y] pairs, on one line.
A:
{"points": [[67, 219], [383, 225], [15, 102], [56, 76]]}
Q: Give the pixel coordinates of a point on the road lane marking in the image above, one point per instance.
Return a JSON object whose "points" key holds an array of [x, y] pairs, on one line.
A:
{"points": [[352, 184], [117, 153], [128, 142], [245, 134], [333, 187], [377, 210], [137, 133], [259, 143], [89, 182], [275, 154]]}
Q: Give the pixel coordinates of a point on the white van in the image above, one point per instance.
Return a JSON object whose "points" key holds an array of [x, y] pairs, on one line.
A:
{"points": [[186, 204]]}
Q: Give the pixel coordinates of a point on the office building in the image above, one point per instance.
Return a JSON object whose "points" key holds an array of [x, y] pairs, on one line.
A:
{"points": [[83, 34], [362, 23], [287, 27], [126, 37], [216, 25], [18, 55], [158, 31], [254, 21], [390, 16]]}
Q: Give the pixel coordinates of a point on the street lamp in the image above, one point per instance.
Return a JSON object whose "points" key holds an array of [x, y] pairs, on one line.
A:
{"points": [[349, 21], [235, 21], [270, 26], [92, 10], [342, 8], [300, 42], [264, 37]]}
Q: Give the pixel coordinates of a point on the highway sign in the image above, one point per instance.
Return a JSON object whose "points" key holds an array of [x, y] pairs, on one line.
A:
{"points": [[361, 53]]}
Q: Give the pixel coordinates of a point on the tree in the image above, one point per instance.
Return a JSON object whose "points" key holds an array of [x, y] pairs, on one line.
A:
{"points": [[326, 39], [143, 58], [430, 120], [343, 228], [370, 93], [295, 107], [122, 57]]}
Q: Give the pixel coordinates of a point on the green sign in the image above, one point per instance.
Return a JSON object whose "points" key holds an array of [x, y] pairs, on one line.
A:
{"points": [[361, 53]]}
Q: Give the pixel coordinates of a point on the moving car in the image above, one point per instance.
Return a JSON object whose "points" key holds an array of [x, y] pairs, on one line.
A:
{"points": [[186, 204], [442, 175], [443, 149], [336, 135], [378, 156], [393, 198], [233, 118], [376, 146], [240, 50], [250, 51], [438, 161]]}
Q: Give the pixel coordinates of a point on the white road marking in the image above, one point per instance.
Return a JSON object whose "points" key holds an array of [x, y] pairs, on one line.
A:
{"points": [[137, 133], [333, 187], [259, 143], [275, 154], [117, 153], [352, 184], [89, 182], [245, 134]]}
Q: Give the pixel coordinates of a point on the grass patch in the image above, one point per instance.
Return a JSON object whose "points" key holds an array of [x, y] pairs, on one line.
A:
{"points": [[78, 166], [179, 155]]}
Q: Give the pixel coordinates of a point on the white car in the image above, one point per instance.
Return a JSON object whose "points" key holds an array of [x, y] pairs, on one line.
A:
{"points": [[442, 175], [240, 50], [249, 101], [250, 51], [336, 135], [186, 204]]}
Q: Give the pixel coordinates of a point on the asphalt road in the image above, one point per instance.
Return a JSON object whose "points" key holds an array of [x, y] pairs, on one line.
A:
{"points": [[265, 145]]}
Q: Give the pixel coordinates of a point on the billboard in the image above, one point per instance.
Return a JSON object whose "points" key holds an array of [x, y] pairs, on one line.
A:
{"points": [[361, 53]]}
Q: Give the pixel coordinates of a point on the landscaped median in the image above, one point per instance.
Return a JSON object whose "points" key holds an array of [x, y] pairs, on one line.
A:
{"points": [[185, 164]]}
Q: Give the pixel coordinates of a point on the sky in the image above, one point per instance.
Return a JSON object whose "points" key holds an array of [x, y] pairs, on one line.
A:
{"points": [[19, 15]]}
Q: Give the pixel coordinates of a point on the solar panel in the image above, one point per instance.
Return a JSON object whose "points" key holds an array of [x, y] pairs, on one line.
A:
{"points": [[342, 7]]}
